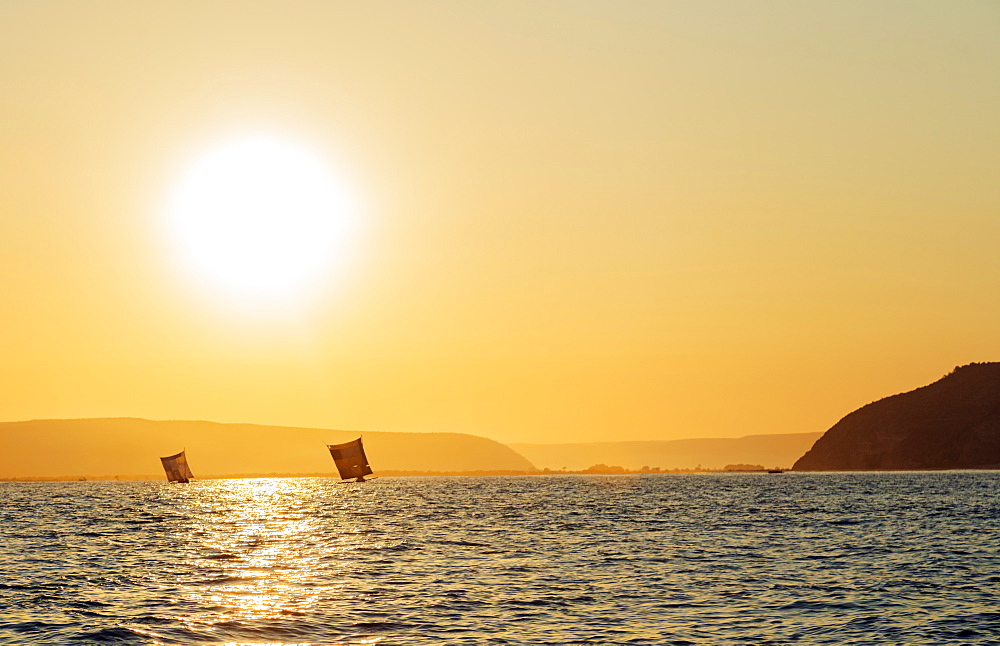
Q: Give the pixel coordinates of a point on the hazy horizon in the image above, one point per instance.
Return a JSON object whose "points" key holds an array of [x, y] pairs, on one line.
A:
{"points": [[555, 222]]}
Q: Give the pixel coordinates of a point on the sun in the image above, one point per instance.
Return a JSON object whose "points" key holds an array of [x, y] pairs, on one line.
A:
{"points": [[259, 217]]}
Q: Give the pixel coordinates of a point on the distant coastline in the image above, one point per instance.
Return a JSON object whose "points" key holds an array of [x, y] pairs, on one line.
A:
{"points": [[952, 424], [383, 474]]}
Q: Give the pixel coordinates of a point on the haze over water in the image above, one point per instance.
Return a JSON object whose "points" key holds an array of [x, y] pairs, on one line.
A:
{"points": [[723, 558]]}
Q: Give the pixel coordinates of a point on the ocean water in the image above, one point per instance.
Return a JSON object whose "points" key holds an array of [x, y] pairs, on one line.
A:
{"points": [[863, 558]]}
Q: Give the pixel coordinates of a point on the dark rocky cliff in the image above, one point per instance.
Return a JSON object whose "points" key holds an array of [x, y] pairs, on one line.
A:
{"points": [[954, 423]]}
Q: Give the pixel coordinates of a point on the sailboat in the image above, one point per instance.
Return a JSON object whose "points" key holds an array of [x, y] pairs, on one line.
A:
{"points": [[177, 467], [350, 460]]}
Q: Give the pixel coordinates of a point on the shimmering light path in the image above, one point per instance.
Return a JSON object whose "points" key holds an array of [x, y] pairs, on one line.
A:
{"points": [[834, 558]]}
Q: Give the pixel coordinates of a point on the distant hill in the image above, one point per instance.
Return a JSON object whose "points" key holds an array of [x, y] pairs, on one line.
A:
{"points": [[130, 446], [954, 423], [711, 453]]}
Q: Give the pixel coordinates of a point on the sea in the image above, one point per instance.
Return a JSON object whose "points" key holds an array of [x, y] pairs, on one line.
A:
{"points": [[756, 558]]}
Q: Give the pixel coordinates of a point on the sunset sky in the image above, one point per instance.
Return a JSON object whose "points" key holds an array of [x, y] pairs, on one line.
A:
{"points": [[557, 221]]}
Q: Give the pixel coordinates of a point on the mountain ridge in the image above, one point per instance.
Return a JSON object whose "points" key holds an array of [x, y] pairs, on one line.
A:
{"points": [[132, 446]]}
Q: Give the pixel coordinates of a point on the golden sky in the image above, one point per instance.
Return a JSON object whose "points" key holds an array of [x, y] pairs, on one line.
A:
{"points": [[569, 221]]}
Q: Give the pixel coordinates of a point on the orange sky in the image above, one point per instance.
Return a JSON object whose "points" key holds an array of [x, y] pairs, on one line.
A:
{"points": [[573, 221]]}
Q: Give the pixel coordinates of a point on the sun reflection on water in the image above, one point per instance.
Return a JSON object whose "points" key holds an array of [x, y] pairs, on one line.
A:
{"points": [[267, 553], [373, 640]]}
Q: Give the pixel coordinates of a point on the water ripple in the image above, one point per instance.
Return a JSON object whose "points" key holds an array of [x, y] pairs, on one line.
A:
{"points": [[697, 559]]}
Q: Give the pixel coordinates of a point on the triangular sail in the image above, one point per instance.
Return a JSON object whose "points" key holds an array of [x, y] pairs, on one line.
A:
{"points": [[177, 467], [350, 459]]}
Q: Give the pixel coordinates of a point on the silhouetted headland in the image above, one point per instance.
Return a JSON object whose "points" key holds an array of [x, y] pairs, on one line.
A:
{"points": [[954, 423]]}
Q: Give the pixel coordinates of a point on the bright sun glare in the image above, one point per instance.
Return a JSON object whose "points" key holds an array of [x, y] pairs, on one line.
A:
{"points": [[259, 217]]}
